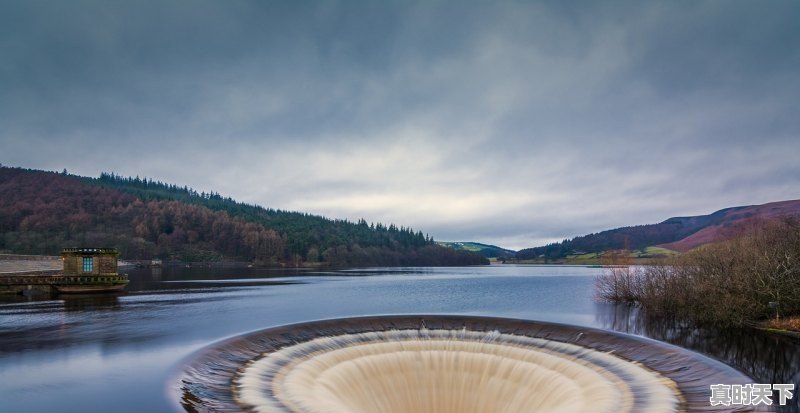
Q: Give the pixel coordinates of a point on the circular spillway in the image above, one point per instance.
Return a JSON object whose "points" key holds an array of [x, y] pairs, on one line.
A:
{"points": [[446, 364], [447, 371]]}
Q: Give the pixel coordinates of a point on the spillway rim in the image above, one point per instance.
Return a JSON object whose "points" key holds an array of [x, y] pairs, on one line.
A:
{"points": [[205, 380]]}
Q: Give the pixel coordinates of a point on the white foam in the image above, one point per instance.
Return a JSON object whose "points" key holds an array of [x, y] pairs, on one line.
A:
{"points": [[448, 371]]}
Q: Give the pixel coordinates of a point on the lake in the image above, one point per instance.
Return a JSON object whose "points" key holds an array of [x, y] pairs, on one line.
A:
{"points": [[118, 353]]}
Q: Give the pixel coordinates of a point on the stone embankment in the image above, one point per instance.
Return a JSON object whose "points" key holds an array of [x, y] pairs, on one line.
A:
{"points": [[27, 273], [41, 274]]}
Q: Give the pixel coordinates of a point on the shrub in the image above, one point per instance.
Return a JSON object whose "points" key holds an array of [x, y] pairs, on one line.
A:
{"points": [[729, 283]]}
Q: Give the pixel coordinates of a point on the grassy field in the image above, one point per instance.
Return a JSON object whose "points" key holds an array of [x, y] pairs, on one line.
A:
{"points": [[490, 251], [786, 324]]}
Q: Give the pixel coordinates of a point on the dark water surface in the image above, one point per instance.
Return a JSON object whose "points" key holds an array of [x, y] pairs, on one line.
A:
{"points": [[118, 353]]}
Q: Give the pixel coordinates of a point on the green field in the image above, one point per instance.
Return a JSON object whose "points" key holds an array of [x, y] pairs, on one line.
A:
{"points": [[489, 251], [596, 258]]}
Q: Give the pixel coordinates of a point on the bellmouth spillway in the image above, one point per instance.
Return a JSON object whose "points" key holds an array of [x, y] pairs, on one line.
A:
{"points": [[446, 364]]}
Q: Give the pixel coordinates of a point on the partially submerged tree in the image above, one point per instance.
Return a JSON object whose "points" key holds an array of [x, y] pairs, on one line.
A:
{"points": [[731, 282]]}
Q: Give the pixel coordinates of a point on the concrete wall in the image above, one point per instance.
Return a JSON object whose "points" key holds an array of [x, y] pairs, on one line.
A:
{"points": [[105, 264], [71, 265]]}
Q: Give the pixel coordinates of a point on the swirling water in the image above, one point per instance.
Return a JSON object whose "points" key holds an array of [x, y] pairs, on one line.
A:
{"points": [[118, 353]]}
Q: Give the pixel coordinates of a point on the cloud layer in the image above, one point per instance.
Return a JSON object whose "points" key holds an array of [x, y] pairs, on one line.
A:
{"points": [[515, 123]]}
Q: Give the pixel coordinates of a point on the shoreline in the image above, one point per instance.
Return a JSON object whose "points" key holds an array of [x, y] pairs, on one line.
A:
{"points": [[788, 326]]}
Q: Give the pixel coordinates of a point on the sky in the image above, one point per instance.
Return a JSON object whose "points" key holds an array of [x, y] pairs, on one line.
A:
{"points": [[515, 123]]}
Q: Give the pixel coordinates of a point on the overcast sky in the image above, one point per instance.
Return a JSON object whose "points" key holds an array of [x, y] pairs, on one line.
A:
{"points": [[513, 123]]}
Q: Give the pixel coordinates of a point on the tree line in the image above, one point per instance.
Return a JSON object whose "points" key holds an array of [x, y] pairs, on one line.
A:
{"points": [[42, 212], [633, 237]]}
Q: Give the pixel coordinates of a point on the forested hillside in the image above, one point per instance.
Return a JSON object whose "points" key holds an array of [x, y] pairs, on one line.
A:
{"points": [[678, 233], [42, 212], [635, 237]]}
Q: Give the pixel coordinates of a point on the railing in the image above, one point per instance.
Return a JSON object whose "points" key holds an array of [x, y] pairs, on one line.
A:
{"points": [[92, 279], [26, 280], [62, 279], [103, 250]]}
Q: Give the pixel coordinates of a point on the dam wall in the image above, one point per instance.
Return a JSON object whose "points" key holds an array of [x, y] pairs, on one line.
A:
{"points": [[27, 284]]}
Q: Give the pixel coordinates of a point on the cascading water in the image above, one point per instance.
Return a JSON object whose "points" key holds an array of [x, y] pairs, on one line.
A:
{"points": [[446, 364], [447, 371]]}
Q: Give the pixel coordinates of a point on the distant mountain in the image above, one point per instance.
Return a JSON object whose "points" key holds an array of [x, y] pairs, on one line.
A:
{"points": [[42, 212], [732, 223], [677, 234], [488, 251]]}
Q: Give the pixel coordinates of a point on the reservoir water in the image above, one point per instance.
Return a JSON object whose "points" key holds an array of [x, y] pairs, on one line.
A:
{"points": [[118, 353]]}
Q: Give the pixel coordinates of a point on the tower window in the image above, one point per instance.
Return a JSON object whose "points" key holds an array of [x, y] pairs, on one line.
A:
{"points": [[87, 264]]}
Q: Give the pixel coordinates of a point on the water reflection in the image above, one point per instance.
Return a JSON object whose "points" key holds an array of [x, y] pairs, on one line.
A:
{"points": [[164, 314], [172, 277], [91, 302], [767, 357]]}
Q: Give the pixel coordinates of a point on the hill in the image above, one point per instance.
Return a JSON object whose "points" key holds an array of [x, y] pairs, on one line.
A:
{"points": [[676, 234], [488, 251], [42, 212], [733, 222]]}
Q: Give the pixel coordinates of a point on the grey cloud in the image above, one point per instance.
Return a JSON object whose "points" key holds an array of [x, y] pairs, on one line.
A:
{"points": [[523, 122]]}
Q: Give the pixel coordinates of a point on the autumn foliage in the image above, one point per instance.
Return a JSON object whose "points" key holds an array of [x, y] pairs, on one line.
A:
{"points": [[42, 212]]}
